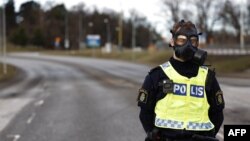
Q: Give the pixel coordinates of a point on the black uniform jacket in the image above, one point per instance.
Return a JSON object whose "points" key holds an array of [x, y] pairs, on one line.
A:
{"points": [[152, 92]]}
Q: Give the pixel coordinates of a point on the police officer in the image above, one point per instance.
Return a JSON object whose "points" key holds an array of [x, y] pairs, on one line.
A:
{"points": [[181, 98]]}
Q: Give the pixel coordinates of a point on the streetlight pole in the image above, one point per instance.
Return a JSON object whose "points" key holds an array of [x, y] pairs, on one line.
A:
{"points": [[4, 41], [106, 21], [80, 29], [66, 40], [242, 45], [108, 43], [133, 39], [90, 24], [120, 32], [133, 34]]}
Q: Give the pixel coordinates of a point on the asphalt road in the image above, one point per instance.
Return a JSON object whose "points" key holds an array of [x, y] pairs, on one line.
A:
{"points": [[87, 99]]}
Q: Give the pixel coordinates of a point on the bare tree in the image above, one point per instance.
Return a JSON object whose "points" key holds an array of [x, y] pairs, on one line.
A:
{"points": [[186, 14], [78, 30], [136, 20], [230, 14], [207, 16], [172, 6]]}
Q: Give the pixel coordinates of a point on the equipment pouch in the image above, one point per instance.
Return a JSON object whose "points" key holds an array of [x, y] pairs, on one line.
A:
{"points": [[167, 86]]}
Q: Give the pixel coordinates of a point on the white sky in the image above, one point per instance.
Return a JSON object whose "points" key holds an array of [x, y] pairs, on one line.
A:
{"points": [[149, 8]]}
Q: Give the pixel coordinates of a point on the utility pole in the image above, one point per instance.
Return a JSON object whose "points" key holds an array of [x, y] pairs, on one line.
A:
{"points": [[133, 38], [133, 34], [90, 24], [66, 40], [4, 41], [242, 44], [108, 44], [106, 21], [80, 29], [120, 32]]}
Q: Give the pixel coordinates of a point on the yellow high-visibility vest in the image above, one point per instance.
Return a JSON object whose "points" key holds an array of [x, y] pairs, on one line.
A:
{"points": [[187, 107]]}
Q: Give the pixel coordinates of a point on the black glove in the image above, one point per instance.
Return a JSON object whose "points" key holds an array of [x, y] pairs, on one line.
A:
{"points": [[154, 135], [147, 139]]}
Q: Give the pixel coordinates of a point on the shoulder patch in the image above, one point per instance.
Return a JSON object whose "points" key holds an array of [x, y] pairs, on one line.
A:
{"points": [[219, 98], [142, 96]]}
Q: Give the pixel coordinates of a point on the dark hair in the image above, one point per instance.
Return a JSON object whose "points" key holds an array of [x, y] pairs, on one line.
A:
{"points": [[182, 24]]}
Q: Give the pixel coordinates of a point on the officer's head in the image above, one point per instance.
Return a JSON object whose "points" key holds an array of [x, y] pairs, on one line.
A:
{"points": [[185, 41]]}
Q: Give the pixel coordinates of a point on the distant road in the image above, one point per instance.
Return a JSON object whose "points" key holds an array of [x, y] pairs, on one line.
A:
{"points": [[76, 99], [227, 51]]}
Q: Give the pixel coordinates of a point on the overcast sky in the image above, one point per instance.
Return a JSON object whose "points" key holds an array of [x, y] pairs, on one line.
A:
{"points": [[148, 8], [152, 9]]}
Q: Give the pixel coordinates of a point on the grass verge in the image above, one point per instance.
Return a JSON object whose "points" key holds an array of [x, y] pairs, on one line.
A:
{"points": [[223, 64], [11, 72]]}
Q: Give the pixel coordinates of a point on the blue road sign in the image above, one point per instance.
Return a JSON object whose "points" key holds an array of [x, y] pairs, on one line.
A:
{"points": [[93, 41]]}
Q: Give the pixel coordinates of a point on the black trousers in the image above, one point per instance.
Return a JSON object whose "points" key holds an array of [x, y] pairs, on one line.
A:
{"points": [[168, 139]]}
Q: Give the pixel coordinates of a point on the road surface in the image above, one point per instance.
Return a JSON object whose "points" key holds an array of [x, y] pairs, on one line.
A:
{"points": [[87, 99]]}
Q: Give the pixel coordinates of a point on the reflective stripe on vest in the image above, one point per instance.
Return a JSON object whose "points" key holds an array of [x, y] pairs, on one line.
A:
{"points": [[187, 107]]}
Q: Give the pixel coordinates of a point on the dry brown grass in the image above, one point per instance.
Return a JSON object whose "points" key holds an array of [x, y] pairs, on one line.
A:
{"points": [[11, 72], [223, 64]]}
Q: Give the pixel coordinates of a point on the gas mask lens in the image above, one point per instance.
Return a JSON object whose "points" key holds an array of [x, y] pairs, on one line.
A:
{"points": [[182, 40], [194, 41]]}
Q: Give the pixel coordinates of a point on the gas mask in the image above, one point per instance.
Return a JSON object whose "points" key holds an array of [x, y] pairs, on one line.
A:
{"points": [[186, 46]]}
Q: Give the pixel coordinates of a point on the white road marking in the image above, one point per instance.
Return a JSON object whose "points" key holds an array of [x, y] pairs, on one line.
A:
{"points": [[39, 103], [15, 137], [31, 118], [67, 87], [9, 108]]}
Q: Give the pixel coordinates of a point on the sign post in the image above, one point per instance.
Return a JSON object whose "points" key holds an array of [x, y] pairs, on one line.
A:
{"points": [[93, 42]]}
